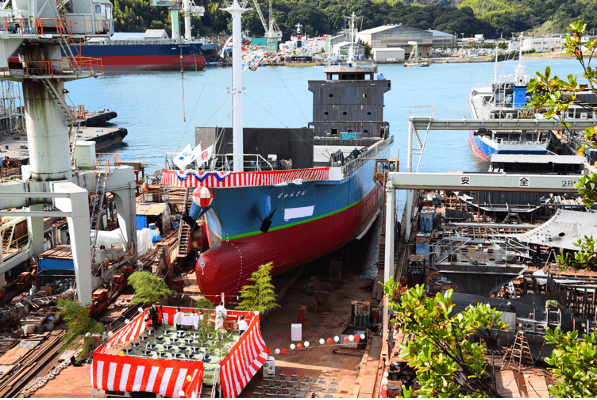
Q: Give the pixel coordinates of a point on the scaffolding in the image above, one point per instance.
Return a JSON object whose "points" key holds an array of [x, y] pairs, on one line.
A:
{"points": [[12, 118]]}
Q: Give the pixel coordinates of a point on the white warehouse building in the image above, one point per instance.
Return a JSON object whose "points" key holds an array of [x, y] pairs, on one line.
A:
{"points": [[388, 54], [541, 44]]}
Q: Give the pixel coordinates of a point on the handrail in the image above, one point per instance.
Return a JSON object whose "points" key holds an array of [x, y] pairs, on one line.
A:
{"points": [[57, 67], [365, 156], [223, 162], [36, 26]]}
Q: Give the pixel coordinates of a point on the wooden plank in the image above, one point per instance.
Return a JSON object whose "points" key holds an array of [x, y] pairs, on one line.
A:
{"points": [[13, 355], [536, 386], [506, 384]]}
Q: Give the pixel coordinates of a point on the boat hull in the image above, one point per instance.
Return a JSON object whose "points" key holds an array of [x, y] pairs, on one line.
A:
{"points": [[146, 56], [331, 215], [484, 147]]}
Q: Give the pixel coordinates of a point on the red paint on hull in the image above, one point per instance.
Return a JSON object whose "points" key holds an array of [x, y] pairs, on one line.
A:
{"points": [[149, 63], [478, 152], [228, 265]]}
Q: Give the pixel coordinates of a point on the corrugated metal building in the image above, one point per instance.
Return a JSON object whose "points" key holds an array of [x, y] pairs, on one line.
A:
{"points": [[388, 36], [442, 38]]}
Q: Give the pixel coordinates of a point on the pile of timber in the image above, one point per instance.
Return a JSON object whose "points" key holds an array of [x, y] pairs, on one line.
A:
{"points": [[22, 363]]}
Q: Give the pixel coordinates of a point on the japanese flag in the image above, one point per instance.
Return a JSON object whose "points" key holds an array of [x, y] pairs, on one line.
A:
{"points": [[183, 158], [205, 156]]}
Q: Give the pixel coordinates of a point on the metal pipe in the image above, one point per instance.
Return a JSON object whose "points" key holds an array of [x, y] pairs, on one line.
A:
{"points": [[37, 194], [491, 225], [23, 213]]}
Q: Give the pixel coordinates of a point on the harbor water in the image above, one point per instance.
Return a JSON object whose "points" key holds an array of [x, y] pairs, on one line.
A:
{"points": [[150, 107]]}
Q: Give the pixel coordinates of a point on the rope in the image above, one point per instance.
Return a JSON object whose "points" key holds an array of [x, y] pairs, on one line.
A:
{"points": [[291, 96], [286, 126], [193, 113]]}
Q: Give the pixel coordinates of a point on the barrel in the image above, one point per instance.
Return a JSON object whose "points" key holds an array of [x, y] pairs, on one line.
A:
{"points": [[194, 211]]}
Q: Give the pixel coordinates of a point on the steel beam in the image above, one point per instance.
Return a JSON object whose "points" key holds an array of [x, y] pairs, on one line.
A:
{"points": [[471, 181], [47, 195], [430, 123], [25, 213]]}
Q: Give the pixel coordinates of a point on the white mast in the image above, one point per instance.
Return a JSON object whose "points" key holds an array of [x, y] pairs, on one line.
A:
{"points": [[187, 19], [235, 9]]}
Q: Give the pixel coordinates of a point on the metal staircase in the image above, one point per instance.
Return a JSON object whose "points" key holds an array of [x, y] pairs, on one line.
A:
{"points": [[184, 230], [7, 237], [97, 201], [59, 98]]}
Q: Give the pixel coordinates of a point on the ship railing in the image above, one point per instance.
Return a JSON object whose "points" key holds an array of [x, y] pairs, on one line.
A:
{"points": [[367, 155], [63, 66], [224, 162]]}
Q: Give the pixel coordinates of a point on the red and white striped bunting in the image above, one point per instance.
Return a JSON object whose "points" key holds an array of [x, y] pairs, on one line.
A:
{"points": [[243, 361], [132, 330], [233, 179], [134, 374]]}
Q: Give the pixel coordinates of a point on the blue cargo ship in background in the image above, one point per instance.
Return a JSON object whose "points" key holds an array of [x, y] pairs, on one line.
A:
{"points": [[130, 51]]}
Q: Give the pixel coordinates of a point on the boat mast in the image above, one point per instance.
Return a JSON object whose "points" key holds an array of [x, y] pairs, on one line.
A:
{"points": [[235, 9]]}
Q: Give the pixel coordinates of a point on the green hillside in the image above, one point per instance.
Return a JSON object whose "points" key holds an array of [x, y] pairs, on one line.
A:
{"points": [[493, 18]]}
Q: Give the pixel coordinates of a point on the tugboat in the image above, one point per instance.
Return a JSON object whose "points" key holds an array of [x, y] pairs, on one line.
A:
{"points": [[264, 209]]}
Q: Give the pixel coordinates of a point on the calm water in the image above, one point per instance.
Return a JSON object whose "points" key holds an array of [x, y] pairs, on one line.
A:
{"points": [[150, 106]]}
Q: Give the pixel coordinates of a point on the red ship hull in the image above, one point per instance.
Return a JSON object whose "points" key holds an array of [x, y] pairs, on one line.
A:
{"points": [[227, 265], [148, 63]]}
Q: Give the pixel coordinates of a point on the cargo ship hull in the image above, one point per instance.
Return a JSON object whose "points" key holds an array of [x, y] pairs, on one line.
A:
{"points": [[145, 56]]}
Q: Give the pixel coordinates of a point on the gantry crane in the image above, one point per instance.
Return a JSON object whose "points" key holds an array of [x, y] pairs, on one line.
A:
{"points": [[188, 9], [272, 31]]}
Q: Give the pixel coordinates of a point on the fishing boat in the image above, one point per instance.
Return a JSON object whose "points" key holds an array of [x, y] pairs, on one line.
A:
{"points": [[306, 193], [413, 58]]}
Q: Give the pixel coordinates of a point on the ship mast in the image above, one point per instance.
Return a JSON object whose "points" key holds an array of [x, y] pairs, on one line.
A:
{"points": [[352, 35], [235, 9]]}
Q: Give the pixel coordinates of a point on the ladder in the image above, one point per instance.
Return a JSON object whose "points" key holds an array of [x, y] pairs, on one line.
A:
{"points": [[184, 230], [7, 236], [97, 201], [65, 46], [520, 351], [58, 97]]}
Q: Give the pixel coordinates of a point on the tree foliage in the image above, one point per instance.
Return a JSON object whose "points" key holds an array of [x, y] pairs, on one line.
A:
{"points": [[148, 287], [204, 304], [573, 364], [554, 96], [447, 363], [79, 325], [492, 18], [260, 295]]}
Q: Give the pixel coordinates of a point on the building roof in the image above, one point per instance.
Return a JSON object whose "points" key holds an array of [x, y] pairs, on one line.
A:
{"points": [[378, 29], [439, 33], [155, 33]]}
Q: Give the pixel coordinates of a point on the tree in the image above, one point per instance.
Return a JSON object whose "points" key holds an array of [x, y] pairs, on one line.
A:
{"points": [[148, 287], [573, 363], [553, 97], [260, 295], [447, 363], [80, 326], [204, 304]]}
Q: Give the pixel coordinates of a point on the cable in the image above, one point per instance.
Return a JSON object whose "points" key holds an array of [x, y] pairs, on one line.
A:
{"points": [[193, 113], [286, 126], [292, 97]]}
